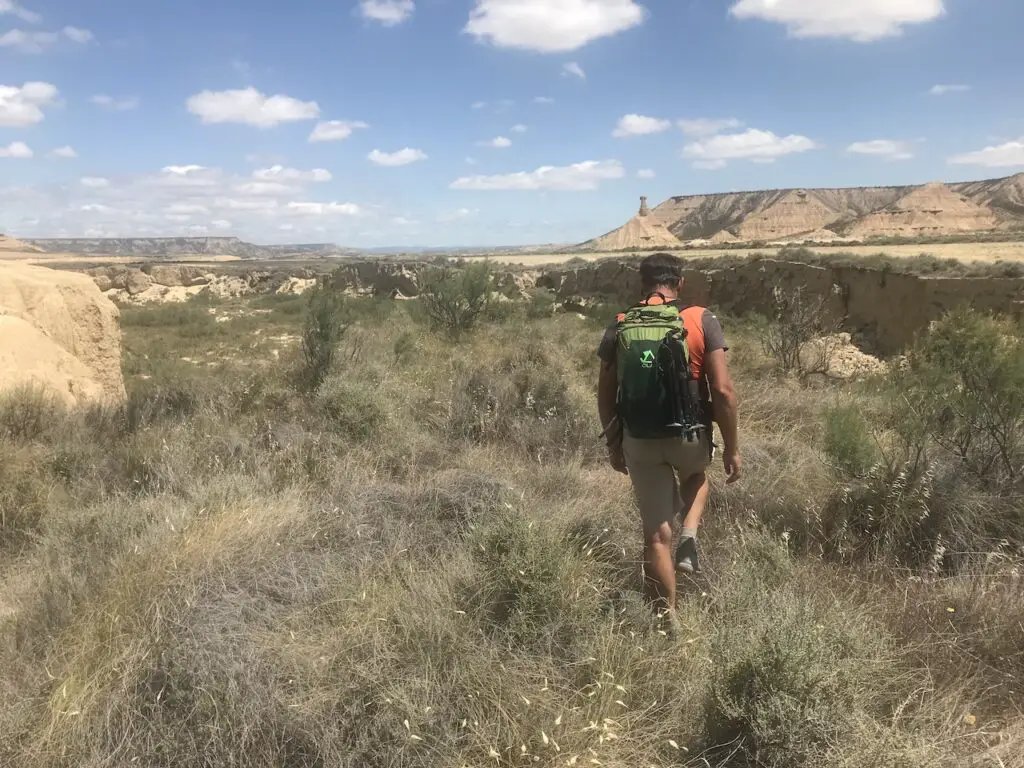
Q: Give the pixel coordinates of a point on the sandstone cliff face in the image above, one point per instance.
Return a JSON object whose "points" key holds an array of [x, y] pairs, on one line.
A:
{"points": [[887, 310], [864, 213], [57, 331], [932, 210]]}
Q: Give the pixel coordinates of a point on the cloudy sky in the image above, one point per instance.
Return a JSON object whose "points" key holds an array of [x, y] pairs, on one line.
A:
{"points": [[481, 122]]}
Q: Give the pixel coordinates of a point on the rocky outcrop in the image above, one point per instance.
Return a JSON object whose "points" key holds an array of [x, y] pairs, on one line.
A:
{"points": [[58, 332]]}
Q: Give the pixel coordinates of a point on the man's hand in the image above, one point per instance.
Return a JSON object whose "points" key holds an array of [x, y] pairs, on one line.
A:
{"points": [[733, 465], [617, 459]]}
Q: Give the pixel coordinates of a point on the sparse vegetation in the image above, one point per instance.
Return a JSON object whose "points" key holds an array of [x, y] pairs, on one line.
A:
{"points": [[800, 335], [322, 330], [427, 562], [455, 298]]}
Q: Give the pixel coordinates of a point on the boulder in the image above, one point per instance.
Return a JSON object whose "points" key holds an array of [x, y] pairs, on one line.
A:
{"points": [[174, 275], [136, 281], [59, 332]]}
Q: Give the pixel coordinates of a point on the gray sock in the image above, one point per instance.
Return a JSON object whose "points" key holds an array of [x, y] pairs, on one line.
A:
{"points": [[688, 533]]}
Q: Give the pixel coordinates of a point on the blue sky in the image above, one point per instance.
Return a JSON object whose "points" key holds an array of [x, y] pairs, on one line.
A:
{"points": [[482, 122]]}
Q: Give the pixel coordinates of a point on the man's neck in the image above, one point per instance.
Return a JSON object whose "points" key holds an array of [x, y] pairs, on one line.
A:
{"points": [[668, 293]]}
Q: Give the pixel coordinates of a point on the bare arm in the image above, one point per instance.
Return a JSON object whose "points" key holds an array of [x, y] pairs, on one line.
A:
{"points": [[726, 409], [607, 393]]}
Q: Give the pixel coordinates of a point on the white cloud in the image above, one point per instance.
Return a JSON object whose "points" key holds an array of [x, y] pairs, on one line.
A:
{"points": [[499, 142], [574, 69], [759, 146], [186, 209], [580, 177], [67, 152], [335, 130], [80, 36], [478, 105], [706, 126], [24, 106], [280, 173], [183, 199], [250, 107], [402, 221], [37, 42], [639, 125], [18, 150], [115, 105], [12, 8], [551, 26], [519, 128], [395, 159], [182, 170], [1005, 155], [325, 209], [470, 161], [387, 12], [863, 21], [942, 90], [543, 100], [645, 173], [891, 150]]}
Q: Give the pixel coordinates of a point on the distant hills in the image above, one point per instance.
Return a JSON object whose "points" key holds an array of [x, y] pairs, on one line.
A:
{"points": [[175, 247], [824, 215]]}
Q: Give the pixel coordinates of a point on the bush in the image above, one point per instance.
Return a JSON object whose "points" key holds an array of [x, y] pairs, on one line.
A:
{"points": [[798, 319], [456, 299], [794, 671], [353, 410], [849, 444], [323, 329], [962, 392], [27, 412]]}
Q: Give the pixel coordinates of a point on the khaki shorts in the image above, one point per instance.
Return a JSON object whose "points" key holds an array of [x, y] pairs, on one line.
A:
{"points": [[658, 468]]}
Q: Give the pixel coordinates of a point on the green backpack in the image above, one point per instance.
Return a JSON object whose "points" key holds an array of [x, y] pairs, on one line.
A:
{"points": [[658, 397]]}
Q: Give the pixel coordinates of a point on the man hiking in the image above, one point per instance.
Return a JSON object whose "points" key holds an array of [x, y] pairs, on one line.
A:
{"points": [[664, 379]]}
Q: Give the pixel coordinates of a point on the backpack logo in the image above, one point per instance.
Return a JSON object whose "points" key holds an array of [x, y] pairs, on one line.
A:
{"points": [[647, 358]]}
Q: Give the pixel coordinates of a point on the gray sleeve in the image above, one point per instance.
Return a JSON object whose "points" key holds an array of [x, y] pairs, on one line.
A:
{"points": [[714, 337], [606, 349]]}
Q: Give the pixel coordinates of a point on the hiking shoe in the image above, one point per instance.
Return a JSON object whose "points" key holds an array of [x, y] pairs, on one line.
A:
{"points": [[686, 556]]}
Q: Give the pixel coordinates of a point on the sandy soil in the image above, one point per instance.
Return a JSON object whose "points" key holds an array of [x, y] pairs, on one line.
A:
{"points": [[966, 252]]}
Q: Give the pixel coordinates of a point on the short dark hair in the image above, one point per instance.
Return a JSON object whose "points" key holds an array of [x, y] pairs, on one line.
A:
{"points": [[661, 269]]}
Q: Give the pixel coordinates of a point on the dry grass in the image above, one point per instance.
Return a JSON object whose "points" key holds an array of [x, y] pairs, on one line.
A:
{"points": [[426, 564]]}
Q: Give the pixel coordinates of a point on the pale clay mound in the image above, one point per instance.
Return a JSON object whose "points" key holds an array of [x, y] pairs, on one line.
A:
{"points": [[795, 213], [931, 210], [639, 232], [58, 332], [10, 244]]}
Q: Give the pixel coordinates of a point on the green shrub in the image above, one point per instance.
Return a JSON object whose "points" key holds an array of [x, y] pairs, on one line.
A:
{"points": [[962, 392], [849, 443], [456, 299], [793, 671], [322, 330]]}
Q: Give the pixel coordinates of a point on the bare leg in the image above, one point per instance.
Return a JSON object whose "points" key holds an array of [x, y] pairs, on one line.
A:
{"points": [[659, 567], [694, 493]]}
